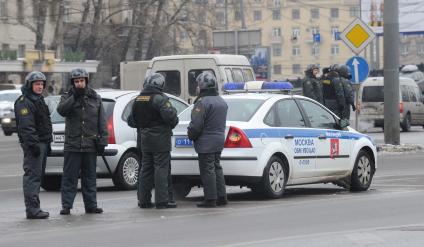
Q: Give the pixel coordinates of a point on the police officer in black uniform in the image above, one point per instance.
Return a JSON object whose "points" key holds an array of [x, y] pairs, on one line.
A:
{"points": [[312, 87], [155, 118], [334, 98], [207, 130], [85, 137], [35, 135], [345, 77]]}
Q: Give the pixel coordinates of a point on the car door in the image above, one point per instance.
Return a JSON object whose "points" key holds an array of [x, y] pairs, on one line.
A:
{"points": [[332, 145], [285, 116]]}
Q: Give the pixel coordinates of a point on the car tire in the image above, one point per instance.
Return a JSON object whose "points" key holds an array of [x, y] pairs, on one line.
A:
{"points": [[126, 173], [51, 182], [274, 178], [406, 123], [363, 172], [181, 189], [7, 133]]}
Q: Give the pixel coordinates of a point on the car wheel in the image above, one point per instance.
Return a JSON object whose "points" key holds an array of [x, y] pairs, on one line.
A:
{"points": [[181, 189], [7, 133], [51, 182], [126, 173], [406, 124], [274, 178], [362, 173]]}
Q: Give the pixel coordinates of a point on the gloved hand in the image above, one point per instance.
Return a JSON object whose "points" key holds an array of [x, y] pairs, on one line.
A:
{"points": [[353, 108], [35, 150], [77, 92], [100, 149]]}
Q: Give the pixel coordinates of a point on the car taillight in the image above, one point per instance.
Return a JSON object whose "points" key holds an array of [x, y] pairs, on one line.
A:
{"points": [[401, 107], [236, 138], [110, 130]]}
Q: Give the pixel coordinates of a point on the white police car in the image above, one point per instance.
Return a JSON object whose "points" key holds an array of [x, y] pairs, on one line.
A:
{"points": [[276, 140]]}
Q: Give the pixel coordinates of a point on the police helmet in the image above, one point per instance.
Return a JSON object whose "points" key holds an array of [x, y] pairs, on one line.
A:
{"points": [[333, 67], [79, 73], [311, 67], [344, 71], [155, 80], [35, 76], [206, 80]]}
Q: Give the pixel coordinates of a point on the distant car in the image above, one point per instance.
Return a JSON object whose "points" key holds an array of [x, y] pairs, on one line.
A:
{"points": [[9, 86], [7, 100], [8, 124], [274, 140], [411, 102], [121, 153]]}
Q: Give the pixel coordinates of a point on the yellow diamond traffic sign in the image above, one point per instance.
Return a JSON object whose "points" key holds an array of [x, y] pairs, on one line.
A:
{"points": [[357, 35]]}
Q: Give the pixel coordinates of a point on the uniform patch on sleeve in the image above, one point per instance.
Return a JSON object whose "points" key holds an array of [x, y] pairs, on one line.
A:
{"points": [[24, 111], [326, 82], [167, 104], [142, 98]]}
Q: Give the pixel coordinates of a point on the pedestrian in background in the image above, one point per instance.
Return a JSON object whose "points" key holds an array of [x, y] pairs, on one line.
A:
{"points": [[85, 137], [207, 130], [154, 116], [312, 86], [35, 135]]}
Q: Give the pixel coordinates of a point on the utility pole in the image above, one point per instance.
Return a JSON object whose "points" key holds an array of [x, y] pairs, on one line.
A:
{"points": [[243, 21], [391, 72], [226, 14]]}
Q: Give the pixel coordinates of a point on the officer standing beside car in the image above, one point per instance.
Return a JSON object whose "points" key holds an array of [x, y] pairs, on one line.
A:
{"points": [[85, 137], [154, 117], [334, 97], [35, 135], [312, 87], [207, 130], [345, 77]]}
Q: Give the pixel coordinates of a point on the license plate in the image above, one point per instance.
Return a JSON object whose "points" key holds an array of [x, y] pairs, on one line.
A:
{"points": [[59, 138], [183, 142]]}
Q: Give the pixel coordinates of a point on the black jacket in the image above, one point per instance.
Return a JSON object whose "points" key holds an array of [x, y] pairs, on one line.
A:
{"points": [[207, 126], [85, 128], [312, 88], [154, 117], [32, 118]]}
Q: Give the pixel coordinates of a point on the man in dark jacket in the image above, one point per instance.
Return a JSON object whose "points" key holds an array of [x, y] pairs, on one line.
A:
{"points": [[334, 98], [85, 137], [345, 77], [312, 87], [207, 130], [154, 117], [35, 135]]}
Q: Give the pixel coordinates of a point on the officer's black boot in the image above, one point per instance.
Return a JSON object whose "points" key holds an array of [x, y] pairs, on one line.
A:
{"points": [[163, 205], [40, 215], [222, 201], [65, 211], [207, 204], [146, 205], [95, 210]]}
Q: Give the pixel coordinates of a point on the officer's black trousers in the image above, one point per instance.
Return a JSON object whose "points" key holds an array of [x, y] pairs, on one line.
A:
{"points": [[73, 164], [154, 174], [212, 175], [34, 168]]}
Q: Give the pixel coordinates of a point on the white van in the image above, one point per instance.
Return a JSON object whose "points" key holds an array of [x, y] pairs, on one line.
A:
{"points": [[411, 106], [180, 71]]}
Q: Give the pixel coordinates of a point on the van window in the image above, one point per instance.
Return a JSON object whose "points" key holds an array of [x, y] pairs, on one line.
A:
{"points": [[172, 81], [373, 94], [229, 75], [192, 75], [248, 76], [238, 75], [412, 94]]}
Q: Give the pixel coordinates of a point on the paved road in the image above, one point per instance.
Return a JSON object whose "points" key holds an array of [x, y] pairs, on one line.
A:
{"points": [[389, 214]]}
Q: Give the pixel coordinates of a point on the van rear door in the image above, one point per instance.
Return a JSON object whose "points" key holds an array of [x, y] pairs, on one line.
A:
{"points": [[373, 101], [193, 68], [173, 71]]}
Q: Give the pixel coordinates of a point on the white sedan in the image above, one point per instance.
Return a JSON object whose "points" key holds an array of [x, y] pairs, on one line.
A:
{"points": [[274, 141]]}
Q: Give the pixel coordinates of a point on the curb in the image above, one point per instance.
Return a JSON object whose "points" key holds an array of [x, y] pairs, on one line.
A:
{"points": [[399, 148]]}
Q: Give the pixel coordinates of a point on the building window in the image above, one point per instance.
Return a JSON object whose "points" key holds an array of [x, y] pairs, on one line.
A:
{"points": [[257, 15], [220, 20], [219, 2], [277, 69], [277, 50], [237, 15], [335, 50], [315, 50], [276, 32], [295, 33], [296, 50], [296, 69], [315, 30], [5, 47], [276, 14], [277, 3], [354, 11], [3, 9], [334, 13], [21, 50], [334, 32], [295, 14], [314, 13], [258, 1], [420, 49], [404, 49]]}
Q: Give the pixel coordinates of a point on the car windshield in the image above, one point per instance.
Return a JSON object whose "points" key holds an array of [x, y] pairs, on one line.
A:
{"points": [[373, 94], [56, 118], [9, 97], [238, 110]]}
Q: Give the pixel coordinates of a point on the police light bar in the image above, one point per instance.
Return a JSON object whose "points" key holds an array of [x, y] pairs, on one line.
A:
{"points": [[258, 87], [277, 85]]}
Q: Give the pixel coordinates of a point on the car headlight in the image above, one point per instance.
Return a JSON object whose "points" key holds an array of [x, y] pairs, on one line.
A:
{"points": [[6, 120]]}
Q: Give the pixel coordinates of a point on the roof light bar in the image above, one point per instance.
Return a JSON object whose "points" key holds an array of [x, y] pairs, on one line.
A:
{"points": [[258, 87]]}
